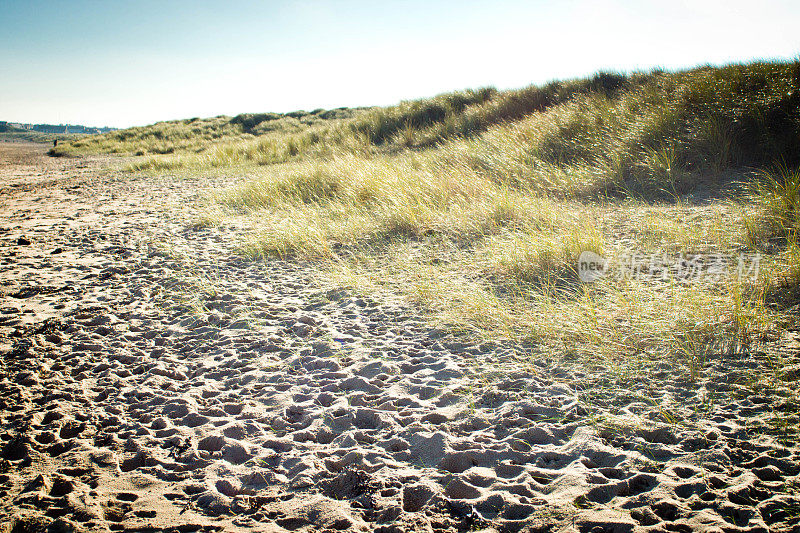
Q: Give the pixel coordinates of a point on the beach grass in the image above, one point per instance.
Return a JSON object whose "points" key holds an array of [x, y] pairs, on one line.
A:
{"points": [[476, 205]]}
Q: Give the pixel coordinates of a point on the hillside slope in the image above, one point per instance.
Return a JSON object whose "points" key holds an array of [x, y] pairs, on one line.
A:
{"points": [[705, 119]]}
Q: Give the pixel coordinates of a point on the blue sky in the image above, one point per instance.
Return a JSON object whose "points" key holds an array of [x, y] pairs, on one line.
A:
{"points": [[122, 63]]}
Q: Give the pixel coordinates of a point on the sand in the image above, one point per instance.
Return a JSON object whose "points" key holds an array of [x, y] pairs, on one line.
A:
{"points": [[152, 380]]}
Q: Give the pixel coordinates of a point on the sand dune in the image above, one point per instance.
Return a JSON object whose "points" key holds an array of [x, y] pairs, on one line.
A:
{"points": [[153, 380]]}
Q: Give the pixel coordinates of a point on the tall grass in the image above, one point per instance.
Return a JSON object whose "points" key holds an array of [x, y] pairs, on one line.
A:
{"points": [[778, 194], [775, 225], [476, 205], [611, 132]]}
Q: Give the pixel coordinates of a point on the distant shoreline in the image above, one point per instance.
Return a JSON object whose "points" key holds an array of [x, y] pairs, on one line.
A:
{"points": [[39, 137]]}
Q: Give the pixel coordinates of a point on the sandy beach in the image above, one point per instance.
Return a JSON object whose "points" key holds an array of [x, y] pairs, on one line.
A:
{"points": [[152, 379]]}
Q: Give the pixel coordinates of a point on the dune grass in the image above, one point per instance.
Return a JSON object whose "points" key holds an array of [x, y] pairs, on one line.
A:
{"points": [[199, 136], [635, 131], [476, 205], [498, 261]]}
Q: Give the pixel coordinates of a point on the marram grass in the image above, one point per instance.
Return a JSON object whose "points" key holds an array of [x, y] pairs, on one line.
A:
{"points": [[476, 205]]}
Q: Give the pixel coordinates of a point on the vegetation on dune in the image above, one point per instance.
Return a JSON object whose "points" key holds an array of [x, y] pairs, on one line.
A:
{"points": [[197, 135], [477, 204], [637, 127]]}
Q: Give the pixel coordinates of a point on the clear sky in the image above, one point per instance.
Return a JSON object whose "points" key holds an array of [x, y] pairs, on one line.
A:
{"points": [[123, 63]]}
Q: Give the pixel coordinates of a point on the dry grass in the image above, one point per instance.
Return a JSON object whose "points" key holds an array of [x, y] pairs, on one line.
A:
{"points": [[476, 205], [495, 261], [525, 287]]}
